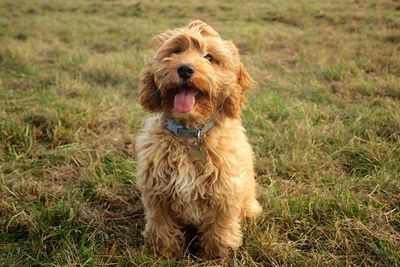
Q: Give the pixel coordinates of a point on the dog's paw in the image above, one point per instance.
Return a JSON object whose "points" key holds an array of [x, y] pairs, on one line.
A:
{"points": [[219, 242], [166, 242], [253, 210]]}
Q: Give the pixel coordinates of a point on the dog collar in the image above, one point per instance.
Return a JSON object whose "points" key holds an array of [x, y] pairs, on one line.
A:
{"points": [[181, 130]]}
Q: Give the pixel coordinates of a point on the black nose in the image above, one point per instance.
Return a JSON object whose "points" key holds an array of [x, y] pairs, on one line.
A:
{"points": [[185, 71]]}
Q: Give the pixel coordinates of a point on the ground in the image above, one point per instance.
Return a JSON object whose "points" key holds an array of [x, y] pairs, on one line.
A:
{"points": [[323, 118]]}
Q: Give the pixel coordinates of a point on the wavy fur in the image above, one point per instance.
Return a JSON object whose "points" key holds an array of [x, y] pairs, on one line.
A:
{"points": [[213, 195]]}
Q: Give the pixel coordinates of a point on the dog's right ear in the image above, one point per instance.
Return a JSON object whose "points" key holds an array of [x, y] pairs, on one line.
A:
{"points": [[150, 97]]}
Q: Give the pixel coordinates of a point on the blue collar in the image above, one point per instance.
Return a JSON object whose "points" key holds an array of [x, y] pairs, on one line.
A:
{"points": [[181, 130]]}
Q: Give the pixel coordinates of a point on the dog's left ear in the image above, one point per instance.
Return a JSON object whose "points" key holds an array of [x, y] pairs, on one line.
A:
{"points": [[243, 78], [236, 99]]}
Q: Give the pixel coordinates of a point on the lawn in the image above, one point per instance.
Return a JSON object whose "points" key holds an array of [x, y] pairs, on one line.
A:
{"points": [[323, 119]]}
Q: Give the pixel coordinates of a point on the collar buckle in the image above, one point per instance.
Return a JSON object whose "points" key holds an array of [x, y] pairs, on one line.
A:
{"points": [[181, 130]]}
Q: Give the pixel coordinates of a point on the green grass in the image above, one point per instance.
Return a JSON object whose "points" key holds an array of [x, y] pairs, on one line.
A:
{"points": [[324, 121]]}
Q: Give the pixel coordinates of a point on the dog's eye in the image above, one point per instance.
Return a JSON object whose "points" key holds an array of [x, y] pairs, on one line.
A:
{"points": [[208, 57]]}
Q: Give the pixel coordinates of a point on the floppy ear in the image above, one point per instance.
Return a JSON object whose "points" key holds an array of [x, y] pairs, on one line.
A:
{"points": [[243, 78], [149, 95], [235, 101], [162, 37], [203, 28]]}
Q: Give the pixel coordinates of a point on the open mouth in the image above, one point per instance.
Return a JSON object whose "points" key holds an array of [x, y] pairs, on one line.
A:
{"points": [[185, 99]]}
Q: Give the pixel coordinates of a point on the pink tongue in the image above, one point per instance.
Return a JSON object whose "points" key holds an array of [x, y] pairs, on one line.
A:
{"points": [[184, 100]]}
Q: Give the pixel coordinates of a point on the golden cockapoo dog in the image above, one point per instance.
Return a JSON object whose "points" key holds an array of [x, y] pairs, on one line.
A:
{"points": [[195, 164]]}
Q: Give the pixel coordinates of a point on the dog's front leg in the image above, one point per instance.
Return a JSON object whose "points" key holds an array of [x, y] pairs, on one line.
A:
{"points": [[220, 232], [163, 232]]}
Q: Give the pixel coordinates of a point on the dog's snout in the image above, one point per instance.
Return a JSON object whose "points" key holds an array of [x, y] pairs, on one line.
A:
{"points": [[185, 71]]}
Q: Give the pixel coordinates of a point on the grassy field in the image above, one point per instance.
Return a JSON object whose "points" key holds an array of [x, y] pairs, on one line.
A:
{"points": [[324, 120]]}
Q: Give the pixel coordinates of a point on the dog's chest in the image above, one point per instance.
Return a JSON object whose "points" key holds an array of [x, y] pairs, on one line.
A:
{"points": [[186, 175]]}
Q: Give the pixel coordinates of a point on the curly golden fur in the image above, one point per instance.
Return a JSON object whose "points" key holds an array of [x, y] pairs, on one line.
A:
{"points": [[213, 194]]}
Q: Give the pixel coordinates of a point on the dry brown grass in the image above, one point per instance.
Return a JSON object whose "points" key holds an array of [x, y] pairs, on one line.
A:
{"points": [[324, 120]]}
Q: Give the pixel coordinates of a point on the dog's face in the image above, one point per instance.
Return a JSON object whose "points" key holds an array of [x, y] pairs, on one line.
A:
{"points": [[194, 76]]}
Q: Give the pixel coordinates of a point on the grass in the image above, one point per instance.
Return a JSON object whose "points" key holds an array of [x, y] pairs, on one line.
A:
{"points": [[324, 121]]}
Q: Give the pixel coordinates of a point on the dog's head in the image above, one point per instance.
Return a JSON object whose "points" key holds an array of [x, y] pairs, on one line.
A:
{"points": [[194, 76]]}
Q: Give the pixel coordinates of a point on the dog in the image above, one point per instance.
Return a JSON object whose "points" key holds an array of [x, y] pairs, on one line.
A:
{"points": [[194, 161]]}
